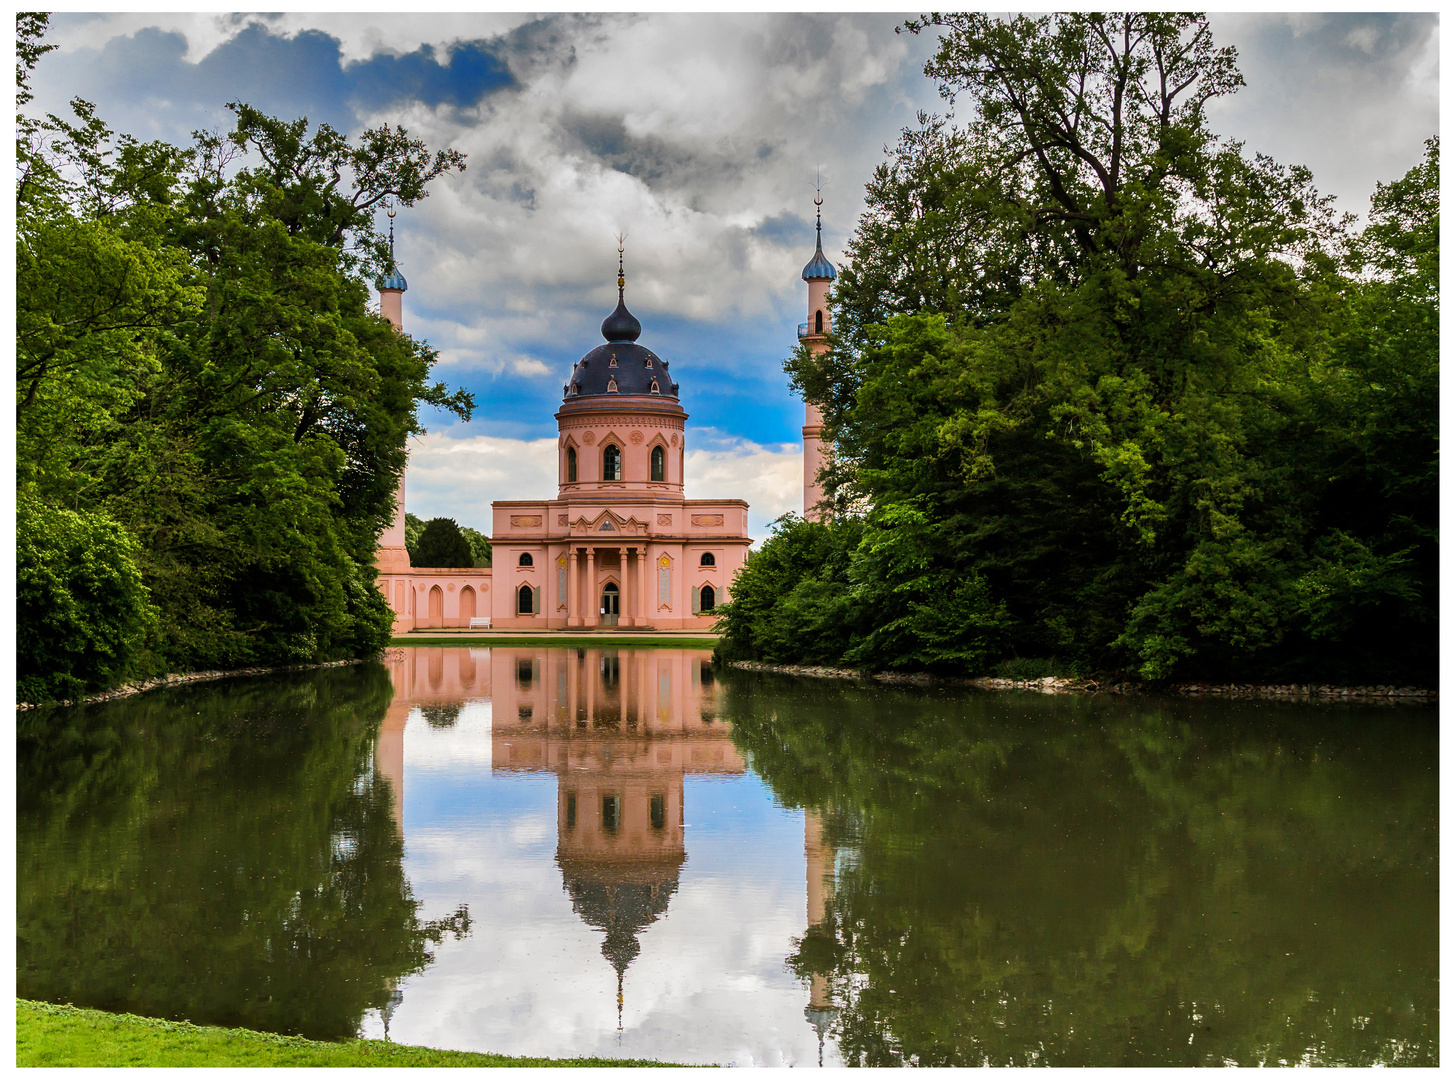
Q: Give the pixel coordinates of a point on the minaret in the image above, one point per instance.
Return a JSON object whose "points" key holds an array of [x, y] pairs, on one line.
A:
{"points": [[814, 334], [392, 556]]}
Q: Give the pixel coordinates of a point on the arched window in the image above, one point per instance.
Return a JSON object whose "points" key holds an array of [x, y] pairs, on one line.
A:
{"points": [[707, 598], [655, 388], [659, 464], [525, 559], [707, 559], [819, 322], [611, 463], [523, 601], [571, 464]]}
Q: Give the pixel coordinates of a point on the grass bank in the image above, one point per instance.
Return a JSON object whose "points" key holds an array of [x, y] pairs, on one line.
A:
{"points": [[49, 1035]]}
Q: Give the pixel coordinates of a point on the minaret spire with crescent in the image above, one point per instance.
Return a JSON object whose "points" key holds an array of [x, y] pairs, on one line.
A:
{"points": [[818, 273]]}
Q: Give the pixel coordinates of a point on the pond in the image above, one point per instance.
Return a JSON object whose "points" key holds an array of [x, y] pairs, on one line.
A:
{"points": [[631, 853]]}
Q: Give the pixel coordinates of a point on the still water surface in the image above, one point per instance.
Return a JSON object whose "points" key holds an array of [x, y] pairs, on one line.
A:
{"points": [[630, 853]]}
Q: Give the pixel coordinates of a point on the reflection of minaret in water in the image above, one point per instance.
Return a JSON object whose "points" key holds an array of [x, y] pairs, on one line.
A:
{"points": [[386, 1011], [420, 677], [818, 873]]}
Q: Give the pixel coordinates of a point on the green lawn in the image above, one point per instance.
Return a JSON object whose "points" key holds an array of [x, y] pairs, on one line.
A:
{"points": [[65, 1035]]}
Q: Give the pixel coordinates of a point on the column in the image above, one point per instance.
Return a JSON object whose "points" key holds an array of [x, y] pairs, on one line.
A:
{"points": [[649, 609], [594, 597], [572, 616], [624, 598]]}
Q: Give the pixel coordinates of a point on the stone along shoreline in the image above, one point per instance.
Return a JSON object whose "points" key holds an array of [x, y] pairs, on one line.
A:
{"points": [[1052, 684]]}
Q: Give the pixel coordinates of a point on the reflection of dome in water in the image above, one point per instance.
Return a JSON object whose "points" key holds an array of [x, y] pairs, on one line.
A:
{"points": [[623, 908]]}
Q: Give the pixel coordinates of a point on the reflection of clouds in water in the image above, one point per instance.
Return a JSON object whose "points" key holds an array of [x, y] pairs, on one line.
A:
{"points": [[600, 830], [708, 984]]}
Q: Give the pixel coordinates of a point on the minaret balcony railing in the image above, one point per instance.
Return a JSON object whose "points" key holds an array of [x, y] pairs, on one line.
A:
{"points": [[805, 332]]}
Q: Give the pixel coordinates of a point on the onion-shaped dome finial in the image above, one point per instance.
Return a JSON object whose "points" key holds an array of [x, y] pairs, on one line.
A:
{"points": [[395, 280], [621, 325], [818, 268]]}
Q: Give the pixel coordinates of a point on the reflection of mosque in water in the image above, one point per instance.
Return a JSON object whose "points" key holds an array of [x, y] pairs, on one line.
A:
{"points": [[620, 730]]}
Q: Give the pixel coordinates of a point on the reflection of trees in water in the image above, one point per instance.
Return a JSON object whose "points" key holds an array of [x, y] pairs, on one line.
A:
{"points": [[1031, 880], [220, 853], [439, 715]]}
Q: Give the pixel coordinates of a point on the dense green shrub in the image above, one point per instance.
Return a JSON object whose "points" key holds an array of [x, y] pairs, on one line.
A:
{"points": [[83, 615]]}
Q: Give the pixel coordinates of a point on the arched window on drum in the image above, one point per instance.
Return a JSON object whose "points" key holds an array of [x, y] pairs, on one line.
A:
{"points": [[612, 463], [659, 464]]}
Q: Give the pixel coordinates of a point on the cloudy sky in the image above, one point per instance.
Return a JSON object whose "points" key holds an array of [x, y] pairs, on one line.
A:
{"points": [[697, 136]]}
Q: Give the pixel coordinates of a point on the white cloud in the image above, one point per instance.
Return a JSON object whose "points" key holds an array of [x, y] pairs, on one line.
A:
{"points": [[461, 477], [715, 135], [359, 36]]}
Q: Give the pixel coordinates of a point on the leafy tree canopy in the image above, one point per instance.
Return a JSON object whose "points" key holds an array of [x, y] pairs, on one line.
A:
{"points": [[441, 543], [197, 360], [1138, 398]]}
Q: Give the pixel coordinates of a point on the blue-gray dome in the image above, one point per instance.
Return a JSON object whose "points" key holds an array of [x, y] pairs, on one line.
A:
{"points": [[394, 281], [621, 366], [818, 268]]}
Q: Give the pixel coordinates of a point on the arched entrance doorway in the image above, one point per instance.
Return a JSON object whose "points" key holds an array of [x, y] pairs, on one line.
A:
{"points": [[611, 604]]}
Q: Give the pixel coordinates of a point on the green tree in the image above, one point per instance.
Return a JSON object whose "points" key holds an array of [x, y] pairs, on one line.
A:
{"points": [[479, 545], [413, 526], [197, 360], [1096, 366], [442, 544]]}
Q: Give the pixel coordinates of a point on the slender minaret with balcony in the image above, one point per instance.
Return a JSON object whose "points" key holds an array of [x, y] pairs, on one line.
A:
{"points": [[818, 273], [393, 556]]}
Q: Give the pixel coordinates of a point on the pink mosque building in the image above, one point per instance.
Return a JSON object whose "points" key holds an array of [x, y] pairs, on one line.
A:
{"points": [[619, 546]]}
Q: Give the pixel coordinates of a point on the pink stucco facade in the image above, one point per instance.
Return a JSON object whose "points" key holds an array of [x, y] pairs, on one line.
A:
{"points": [[617, 545]]}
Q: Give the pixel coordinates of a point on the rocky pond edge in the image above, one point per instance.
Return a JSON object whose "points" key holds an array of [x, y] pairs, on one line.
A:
{"points": [[179, 679], [1051, 684]]}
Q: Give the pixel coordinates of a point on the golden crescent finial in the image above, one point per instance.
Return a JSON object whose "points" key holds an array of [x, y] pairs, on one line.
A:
{"points": [[818, 202], [390, 210]]}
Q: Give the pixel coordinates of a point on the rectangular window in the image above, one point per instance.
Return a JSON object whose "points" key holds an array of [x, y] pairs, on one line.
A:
{"points": [[561, 586], [571, 810], [664, 586], [611, 812], [659, 811]]}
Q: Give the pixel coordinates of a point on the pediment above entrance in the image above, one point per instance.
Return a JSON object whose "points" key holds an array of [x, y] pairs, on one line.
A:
{"points": [[608, 524]]}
